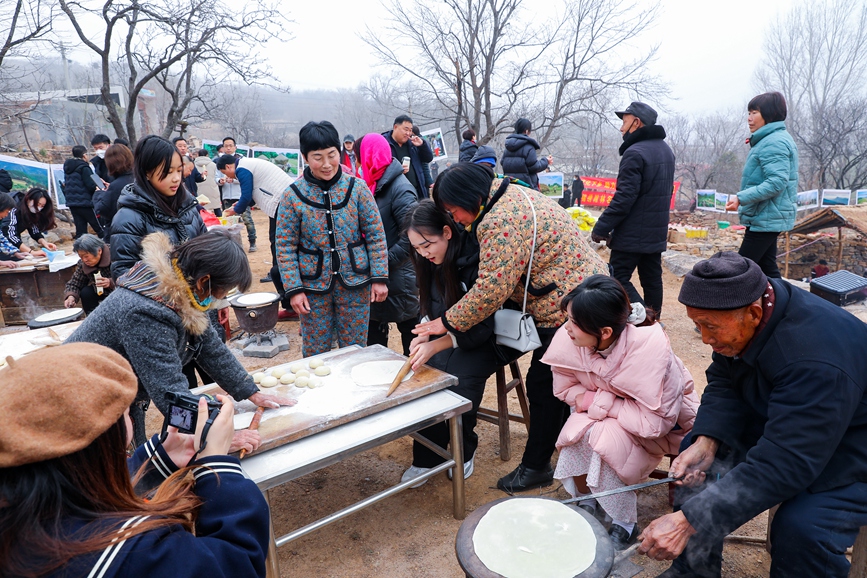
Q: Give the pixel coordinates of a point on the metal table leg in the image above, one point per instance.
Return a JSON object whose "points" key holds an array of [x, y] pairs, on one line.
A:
{"points": [[457, 447], [272, 564]]}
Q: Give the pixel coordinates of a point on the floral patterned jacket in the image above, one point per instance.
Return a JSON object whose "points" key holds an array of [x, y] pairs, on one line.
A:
{"points": [[504, 229], [327, 236]]}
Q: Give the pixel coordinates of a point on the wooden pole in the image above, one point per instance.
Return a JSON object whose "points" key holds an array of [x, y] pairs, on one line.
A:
{"points": [[839, 248], [786, 267]]}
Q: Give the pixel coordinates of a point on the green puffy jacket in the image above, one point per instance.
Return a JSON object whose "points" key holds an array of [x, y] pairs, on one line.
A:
{"points": [[769, 185]]}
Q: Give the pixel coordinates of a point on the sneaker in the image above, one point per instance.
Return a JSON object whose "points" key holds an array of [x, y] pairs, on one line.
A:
{"points": [[287, 315], [620, 538], [252, 248], [523, 478], [414, 472], [468, 468]]}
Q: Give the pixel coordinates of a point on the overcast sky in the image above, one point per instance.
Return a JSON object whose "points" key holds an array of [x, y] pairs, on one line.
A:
{"points": [[707, 55]]}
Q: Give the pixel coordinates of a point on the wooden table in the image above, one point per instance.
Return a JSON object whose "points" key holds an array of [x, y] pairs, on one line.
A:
{"points": [[307, 437]]}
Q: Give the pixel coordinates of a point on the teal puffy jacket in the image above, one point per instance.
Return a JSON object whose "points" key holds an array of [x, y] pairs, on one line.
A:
{"points": [[769, 185]]}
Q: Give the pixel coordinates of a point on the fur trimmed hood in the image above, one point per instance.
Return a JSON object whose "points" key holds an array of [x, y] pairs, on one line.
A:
{"points": [[154, 277]]}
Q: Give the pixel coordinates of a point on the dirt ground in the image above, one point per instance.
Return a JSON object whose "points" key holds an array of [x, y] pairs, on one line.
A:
{"points": [[413, 533]]}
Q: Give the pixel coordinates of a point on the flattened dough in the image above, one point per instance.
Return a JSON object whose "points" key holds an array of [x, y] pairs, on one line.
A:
{"points": [[525, 537], [378, 372]]}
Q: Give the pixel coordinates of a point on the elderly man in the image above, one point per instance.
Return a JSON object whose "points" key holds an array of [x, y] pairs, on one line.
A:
{"points": [[782, 421]]}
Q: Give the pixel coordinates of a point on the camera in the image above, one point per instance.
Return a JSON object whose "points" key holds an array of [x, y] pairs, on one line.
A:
{"points": [[184, 410]]}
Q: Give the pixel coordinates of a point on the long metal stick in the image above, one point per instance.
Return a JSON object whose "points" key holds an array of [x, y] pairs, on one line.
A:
{"points": [[619, 490]]}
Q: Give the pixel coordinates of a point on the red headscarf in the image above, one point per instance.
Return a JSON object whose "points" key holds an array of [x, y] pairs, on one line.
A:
{"points": [[375, 158]]}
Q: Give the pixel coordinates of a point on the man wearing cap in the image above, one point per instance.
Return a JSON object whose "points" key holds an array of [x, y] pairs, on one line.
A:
{"points": [[635, 224], [782, 420]]}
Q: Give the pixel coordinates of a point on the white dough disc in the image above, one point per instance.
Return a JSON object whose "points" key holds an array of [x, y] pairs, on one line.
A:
{"points": [[296, 367], [302, 381], [322, 370], [525, 537], [287, 378], [314, 363], [377, 372], [257, 377], [269, 381], [243, 420], [277, 372]]}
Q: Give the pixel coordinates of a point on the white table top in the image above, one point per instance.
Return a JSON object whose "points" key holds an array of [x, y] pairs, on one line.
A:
{"points": [[290, 461]]}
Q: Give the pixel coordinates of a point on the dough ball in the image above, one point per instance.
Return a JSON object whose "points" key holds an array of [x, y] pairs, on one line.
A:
{"points": [[302, 372], [269, 381], [287, 378], [296, 367], [302, 381], [323, 370], [314, 363], [315, 382], [277, 372], [257, 377]]}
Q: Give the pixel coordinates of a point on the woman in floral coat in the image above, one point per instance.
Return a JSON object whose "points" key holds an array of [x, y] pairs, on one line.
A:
{"points": [[330, 246], [500, 215]]}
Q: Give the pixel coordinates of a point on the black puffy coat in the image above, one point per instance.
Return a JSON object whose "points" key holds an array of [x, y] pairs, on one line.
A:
{"points": [[105, 202], [520, 160], [395, 197], [637, 218], [467, 151], [78, 186], [137, 216]]}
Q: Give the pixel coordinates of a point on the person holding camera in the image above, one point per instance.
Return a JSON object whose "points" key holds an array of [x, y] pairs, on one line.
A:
{"points": [[157, 319], [69, 504]]}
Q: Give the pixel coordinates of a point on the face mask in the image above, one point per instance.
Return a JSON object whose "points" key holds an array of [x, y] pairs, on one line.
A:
{"points": [[32, 207], [100, 153]]}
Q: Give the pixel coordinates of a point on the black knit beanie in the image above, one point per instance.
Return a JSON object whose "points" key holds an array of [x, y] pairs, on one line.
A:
{"points": [[723, 282]]}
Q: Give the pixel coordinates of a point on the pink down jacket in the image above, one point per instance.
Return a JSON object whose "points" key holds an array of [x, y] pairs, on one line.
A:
{"points": [[632, 399]]}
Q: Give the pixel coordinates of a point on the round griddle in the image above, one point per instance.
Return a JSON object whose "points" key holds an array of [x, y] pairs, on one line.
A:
{"points": [[56, 317], [474, 567]]}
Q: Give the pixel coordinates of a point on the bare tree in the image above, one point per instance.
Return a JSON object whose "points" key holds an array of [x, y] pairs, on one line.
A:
{"points": [[481, 69], [158, 37], [815, 56]]}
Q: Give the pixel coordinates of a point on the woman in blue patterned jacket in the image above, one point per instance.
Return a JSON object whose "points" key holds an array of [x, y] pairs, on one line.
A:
{"points": [[330, 246]]}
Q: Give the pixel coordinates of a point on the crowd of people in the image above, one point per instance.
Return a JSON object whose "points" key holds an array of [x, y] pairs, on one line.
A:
{"points": [[369, 236]]}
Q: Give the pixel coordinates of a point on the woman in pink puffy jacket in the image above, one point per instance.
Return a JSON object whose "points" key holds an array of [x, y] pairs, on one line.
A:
{"points": [[632, 399]]}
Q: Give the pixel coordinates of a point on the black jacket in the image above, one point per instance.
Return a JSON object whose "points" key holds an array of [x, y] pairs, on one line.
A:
{"points": [[417, 156], [520, 161], [637, 218], [395, 197], [105, 202], [78, 186], [467, 151], [5, 181], [795, 401], [137, 216]]}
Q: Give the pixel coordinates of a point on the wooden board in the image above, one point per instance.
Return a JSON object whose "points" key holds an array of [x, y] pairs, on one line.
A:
{"points": [[28, 294], [340, 400]]}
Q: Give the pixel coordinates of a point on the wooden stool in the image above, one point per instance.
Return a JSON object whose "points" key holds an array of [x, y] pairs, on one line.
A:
{"points": [[501, 416], [859, 549]]}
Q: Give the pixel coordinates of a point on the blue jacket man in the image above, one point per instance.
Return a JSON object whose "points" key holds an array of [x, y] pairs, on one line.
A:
{"points": [[404, 144]]}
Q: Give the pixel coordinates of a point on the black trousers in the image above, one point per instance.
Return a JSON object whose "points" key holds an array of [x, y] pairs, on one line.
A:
{"points": [[377, 333], [82, 217], [649, 267], [472, 368], [761, 248], [275, 270], [548, 413]]}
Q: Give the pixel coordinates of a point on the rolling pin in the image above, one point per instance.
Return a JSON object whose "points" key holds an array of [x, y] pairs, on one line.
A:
{"points": [[400, 375], [254, 425]]}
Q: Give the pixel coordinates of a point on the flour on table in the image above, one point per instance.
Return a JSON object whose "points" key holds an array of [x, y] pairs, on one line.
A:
{"points": [[532, 537], [377, 372]]}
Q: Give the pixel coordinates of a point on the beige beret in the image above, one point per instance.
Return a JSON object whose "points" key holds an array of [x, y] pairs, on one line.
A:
{"points": [[56, 401]]}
